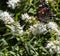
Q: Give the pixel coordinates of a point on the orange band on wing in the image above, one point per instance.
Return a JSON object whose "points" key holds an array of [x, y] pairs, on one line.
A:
{"points": [[42, 10]]}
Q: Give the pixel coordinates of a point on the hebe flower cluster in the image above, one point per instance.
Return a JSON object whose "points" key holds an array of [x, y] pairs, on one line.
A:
{"points": [[53, 46], [6, 17], [42, 28], [9, 22], [13, 3]]}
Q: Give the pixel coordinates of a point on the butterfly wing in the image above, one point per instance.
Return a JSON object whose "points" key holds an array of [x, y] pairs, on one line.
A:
{"points": [[44, 13]]}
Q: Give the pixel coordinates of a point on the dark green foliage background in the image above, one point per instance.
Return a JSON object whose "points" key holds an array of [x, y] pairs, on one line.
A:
{"points": [[24, 45]]}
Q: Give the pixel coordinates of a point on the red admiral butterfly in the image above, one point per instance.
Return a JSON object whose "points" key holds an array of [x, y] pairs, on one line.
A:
{"points": [[44, 12]]}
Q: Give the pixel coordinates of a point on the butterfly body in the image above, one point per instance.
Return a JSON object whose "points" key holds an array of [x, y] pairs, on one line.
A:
{"points": [[41, 11]]}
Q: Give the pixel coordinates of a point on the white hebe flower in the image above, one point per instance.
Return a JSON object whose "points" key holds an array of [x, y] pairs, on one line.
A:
{"points": [[54, 47], [47, 1], [12, 3], [17, 29], [33, 30], [25, 17], [49, 44], [58, 49], [41, 28], [38, 29], [6, 17], [52, 26], [59, 33]]}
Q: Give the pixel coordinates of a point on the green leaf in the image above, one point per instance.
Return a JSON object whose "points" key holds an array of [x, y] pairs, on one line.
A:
{"points": [[32, 11]]}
